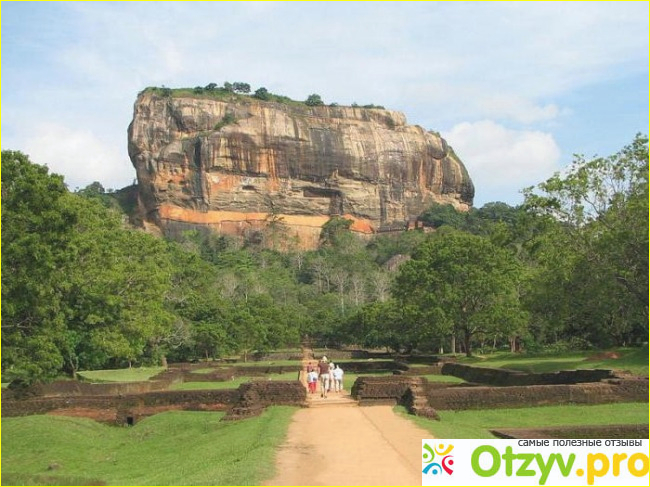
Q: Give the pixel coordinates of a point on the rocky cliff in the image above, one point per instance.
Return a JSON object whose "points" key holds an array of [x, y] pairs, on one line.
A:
{"points": [[238, 163]]}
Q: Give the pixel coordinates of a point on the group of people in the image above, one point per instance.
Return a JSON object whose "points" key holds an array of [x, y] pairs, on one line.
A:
{"points": [[328, 374]]}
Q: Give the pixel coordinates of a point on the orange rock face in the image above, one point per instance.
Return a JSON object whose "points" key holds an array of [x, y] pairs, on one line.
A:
{"points": [[286, 168]]}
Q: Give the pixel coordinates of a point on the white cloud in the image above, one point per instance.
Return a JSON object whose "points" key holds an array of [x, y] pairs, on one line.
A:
{"points": [[503, 161], [517, 108], [77, 154], [529, 66]]}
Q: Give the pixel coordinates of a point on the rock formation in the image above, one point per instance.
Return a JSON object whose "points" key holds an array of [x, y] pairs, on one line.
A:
{"points": [[237, 164]]}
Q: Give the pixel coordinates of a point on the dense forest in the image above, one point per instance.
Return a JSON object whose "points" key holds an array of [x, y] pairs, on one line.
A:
{"points": [[83, 289]]}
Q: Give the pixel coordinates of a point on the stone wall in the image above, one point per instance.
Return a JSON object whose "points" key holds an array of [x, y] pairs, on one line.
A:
{"points": [[253, 397], [249, 399], [291, 355], [622, 431], [482, 397], [349, 354], [117, 408], [427, 370], [507, 377], [408, 391], [382, 390], [372, 367], [67, 388], [222, 374]]}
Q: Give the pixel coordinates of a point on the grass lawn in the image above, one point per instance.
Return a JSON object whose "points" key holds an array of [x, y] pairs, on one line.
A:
{"points": [[476, 423], [634, 360], [172, 448], [134, 374], [442, 378], [232, 384], [207, 370], [349, 378]]}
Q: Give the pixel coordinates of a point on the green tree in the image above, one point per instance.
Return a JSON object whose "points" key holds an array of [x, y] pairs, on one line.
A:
{"points": [[380, 324], [335, 231], [601, 209], [79, 290], [246, 331], [438, 215], [114, 287], [36, 230], [239, 87], [262, 94], [314, 100], [461, 283]]}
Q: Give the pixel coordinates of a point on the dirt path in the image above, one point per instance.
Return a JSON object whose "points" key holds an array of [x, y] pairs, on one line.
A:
{"points": [[349, 445]]}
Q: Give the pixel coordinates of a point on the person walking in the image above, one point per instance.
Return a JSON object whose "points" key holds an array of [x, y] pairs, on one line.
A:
{"points": [[338, 379], [324, 374], [331, 383], [312, 379]]}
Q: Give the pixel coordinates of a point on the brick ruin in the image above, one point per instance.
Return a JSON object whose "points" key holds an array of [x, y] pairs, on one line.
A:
{"points": [[127, 403], [424, 398]]}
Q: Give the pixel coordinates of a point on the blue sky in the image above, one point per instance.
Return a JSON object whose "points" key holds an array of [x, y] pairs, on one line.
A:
{"points": [[515, 87]]}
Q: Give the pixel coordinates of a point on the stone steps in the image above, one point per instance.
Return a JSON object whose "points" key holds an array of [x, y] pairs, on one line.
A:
{"points": [[333, 399]]}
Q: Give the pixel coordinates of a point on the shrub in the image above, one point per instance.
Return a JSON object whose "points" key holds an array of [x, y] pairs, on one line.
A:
{"points": [[240, 87], [228, 119], [314, 100], [262, 94]]}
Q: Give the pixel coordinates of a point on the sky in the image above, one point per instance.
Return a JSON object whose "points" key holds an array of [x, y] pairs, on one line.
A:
{"points": [[516, 88]]}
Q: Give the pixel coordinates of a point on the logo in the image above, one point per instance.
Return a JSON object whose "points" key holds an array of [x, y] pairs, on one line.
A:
{"points": [[429, 455]]}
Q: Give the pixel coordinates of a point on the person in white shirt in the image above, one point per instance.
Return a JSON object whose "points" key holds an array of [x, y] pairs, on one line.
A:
{"points": [[338, 379], [312, 379], [331, 383]]}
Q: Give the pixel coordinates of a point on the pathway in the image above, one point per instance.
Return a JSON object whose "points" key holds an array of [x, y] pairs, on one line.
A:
{"points": [[341, 445], [336, 442]]}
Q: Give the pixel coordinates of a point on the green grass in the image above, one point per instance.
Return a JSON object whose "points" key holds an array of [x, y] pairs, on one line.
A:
{"points": [[121, 375], [207, 370], [172, 448], [634, 360], [476, 423], [349, 378], [232, 384], [442, 378]]}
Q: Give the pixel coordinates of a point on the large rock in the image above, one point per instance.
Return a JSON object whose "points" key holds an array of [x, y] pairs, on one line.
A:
{"points": [[237, 164]]}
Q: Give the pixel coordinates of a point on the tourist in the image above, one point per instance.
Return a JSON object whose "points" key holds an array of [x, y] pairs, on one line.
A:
{"points": [[331, 373], [338, 379], [312, 379], [324, 374]]}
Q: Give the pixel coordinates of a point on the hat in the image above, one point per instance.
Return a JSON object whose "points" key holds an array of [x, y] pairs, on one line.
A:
{"points": [[324, 359]]}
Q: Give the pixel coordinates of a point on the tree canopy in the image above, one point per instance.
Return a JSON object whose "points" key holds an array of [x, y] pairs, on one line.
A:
{"points": [[82, 289]]}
